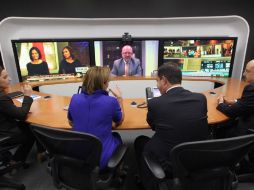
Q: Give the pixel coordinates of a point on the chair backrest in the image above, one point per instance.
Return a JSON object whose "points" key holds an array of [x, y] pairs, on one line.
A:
{"points": [[81, 89], [74, 156], [205, 160], [5, 167], [5, 155]]}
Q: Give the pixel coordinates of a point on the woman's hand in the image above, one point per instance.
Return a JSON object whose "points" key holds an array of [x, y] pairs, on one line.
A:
{"points": [[116, 92], [27, 90]]}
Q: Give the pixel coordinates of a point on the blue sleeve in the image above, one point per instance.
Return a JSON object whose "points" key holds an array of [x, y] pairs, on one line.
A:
{"points": [[69, 115], [70, 110], [117, 112]]}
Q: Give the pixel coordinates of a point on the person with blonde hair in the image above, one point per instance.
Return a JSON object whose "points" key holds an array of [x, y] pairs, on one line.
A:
{"points": [[93, 110]]}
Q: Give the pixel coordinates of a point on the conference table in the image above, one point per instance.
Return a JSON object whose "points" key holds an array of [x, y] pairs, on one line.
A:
{"points": [[50, 112]]}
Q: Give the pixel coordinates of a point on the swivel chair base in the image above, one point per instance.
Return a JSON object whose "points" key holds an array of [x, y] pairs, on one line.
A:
{"points": [[6, 182], [245, 178]]}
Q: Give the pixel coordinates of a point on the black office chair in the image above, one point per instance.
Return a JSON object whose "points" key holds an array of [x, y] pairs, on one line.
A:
{"points": [[75, 157], [246, 167], [203, 164], [5, 167], [251, 154], [79, 89]]}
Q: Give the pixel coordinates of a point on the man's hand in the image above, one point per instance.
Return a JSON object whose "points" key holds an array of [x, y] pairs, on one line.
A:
{"points": [[221, 99], [229, 101]]}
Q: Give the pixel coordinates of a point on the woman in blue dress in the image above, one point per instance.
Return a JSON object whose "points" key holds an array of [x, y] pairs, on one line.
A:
{"points": [[93, 111]]}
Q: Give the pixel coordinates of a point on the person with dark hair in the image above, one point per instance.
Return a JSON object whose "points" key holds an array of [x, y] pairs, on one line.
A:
{"points": [[36, 66], [12, 119], [177, 116], [69, 63], [127, 65], [241, 111], [93, 111]]}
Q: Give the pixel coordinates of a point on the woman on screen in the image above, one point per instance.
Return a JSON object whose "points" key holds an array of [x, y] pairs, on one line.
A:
{"points": [[36, 66], [93, 111], [69, 63], [13, 123]]}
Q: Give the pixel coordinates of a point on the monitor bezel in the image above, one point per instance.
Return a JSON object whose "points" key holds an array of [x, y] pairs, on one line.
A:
{"points": [[161, 41]]}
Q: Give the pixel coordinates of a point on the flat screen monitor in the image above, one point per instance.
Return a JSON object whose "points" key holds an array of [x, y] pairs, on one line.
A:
{"points": [[50, 57], [107, 51], [211, 56]]}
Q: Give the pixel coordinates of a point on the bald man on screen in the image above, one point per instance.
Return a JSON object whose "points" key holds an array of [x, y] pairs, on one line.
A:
{"points": [[127, 65]]}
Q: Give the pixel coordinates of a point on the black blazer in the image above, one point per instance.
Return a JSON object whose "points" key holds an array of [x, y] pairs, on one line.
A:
{"points": [[10, 115], [177, 116], [243, 109]]}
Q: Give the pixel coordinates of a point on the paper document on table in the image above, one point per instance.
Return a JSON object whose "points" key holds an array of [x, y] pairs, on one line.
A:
{"points": [[34, 96]]}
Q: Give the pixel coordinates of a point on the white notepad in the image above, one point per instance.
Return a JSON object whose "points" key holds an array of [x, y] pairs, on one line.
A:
{"points": [[34, 96]]}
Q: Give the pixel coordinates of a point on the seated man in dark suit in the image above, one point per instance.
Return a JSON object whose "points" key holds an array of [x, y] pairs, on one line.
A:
{"points": [[177, 116], [127, 65], [242, 109]]}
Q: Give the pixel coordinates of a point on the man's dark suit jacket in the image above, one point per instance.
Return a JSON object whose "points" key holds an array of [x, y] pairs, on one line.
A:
{"points": [[243, 109], [10, 115], [177, 116]]}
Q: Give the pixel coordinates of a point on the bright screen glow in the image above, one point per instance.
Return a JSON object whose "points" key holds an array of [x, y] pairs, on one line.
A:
{"points": [[107, 51], [201, 57], [60, 57]]}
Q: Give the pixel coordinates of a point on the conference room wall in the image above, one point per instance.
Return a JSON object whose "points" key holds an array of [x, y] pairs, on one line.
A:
{"points": [[129, 88], [136, 9]]}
